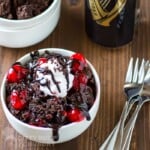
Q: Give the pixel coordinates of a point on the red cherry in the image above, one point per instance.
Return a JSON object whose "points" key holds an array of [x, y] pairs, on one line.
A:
{"points": [[75, 115], [22, 71], [12, 76], [78, 63], [42, 60], [17, 99], [79, 79], [17, 67], [79, 57], [77, 66], [16, 73]]}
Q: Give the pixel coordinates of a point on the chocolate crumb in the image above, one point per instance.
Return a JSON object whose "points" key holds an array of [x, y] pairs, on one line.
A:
{"points": [[22, 9]]}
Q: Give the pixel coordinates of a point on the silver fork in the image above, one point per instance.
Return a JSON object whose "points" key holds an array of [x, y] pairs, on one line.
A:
{"points": [[144, 97], [132, 87], [136, 79]]}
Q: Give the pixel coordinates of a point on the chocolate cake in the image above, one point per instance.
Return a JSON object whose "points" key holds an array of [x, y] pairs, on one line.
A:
{"points": [[51, 90], [22, 9]]}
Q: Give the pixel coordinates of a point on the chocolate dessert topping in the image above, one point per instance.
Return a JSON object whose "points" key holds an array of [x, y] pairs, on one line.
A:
{"points": [[51, 90]]}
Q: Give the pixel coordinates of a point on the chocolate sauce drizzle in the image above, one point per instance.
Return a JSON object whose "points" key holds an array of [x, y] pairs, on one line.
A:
{"points": [[55, 133], [53, 78]]}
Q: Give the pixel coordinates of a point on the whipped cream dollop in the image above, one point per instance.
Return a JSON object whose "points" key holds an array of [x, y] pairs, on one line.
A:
{"points": [[55, 79]]}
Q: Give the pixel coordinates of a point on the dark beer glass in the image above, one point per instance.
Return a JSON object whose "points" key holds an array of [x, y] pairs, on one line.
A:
{"points": [[110, 22]]}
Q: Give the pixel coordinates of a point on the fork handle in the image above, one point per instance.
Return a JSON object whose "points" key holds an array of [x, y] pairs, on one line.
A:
{"points": [[119, 138], [111, 139], [130, 126]]}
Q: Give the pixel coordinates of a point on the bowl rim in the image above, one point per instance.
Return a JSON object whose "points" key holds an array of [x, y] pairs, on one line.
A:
{"points": [[5, 20], [57, 50]]}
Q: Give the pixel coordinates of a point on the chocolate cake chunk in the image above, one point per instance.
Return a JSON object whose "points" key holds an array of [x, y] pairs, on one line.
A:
{"points": [[25, 12], [5, 9]]}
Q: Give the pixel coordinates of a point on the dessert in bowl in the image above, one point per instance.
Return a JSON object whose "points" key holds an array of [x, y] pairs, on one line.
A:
{"points": [[27, 22], [51, 95]]}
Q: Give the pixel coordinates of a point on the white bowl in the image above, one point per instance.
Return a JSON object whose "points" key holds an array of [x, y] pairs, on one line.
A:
{"points": [[44, 135], [27, 32]]}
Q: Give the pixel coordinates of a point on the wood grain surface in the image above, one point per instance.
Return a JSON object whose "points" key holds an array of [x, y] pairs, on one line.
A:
{"points": [[110, 64]]}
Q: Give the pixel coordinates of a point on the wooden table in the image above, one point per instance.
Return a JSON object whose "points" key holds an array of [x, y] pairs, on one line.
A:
{"points": [[111, 65]]}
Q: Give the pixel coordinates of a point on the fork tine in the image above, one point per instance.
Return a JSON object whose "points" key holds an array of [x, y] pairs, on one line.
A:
{"points": [[147, 76], [135, 74], [129, 71], [141, 72]]}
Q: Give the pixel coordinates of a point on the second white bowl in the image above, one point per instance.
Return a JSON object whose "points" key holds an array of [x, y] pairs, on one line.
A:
{"points": [[27, 32]]}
